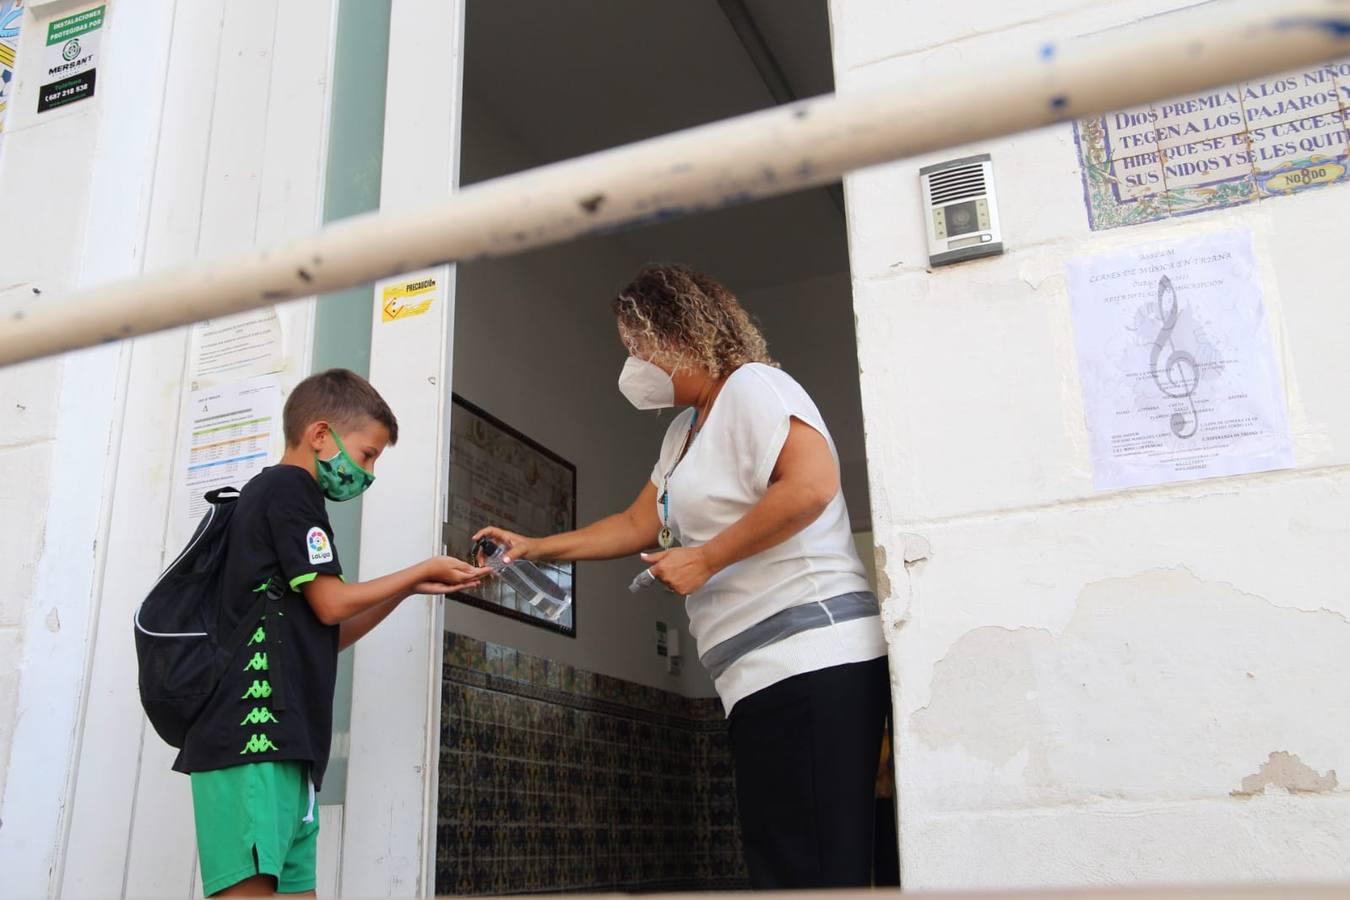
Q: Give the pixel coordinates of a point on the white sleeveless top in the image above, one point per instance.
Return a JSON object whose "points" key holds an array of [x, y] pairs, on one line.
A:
{"points": [[724, 474]]}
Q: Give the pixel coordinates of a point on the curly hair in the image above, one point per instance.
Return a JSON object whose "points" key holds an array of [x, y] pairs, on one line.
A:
{"points": [[677, 315]]}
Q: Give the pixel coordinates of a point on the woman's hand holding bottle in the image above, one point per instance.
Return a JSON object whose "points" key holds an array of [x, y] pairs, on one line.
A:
{"points": [[516, 546]]}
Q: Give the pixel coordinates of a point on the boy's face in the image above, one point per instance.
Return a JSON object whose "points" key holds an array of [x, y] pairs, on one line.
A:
{"points": [[364, 444]]}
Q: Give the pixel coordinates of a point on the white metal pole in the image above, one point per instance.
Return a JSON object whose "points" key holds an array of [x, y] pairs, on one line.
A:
{"points": [[777, 151]]}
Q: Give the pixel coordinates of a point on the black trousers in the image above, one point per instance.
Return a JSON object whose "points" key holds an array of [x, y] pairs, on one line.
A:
{"points": [[806, 752]]}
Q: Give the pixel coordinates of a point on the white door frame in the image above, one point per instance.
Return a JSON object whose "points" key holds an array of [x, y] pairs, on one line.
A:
{"points": [[389, 830]]}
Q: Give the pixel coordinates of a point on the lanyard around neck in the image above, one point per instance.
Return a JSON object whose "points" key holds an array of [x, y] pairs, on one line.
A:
{"points": [[667, 538]]}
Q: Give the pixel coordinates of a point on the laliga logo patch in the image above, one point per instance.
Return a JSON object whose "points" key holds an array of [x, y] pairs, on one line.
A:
{"points": [[320, 550]]}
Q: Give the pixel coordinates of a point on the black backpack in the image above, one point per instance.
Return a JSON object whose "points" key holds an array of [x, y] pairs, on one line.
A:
{"points": [[179, 651]]}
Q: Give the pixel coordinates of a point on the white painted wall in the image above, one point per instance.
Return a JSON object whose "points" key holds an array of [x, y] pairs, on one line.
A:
{"points": [[203, 138], [1081, 679], [40, 256], [71, 181]]}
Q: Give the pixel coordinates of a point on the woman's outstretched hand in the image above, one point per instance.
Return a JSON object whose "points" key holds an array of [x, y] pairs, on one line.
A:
{"points": [[517, 546], [684, 570]]}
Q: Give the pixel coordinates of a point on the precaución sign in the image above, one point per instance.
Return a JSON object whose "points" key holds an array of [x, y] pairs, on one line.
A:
{"points": [[71, 59], [408, 298]]}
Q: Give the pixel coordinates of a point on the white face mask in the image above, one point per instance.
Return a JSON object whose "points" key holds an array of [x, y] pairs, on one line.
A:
{"points": [[647, 386]]}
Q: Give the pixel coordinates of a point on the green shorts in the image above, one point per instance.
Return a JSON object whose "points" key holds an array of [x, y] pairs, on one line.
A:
{"points": [[256, 819]]}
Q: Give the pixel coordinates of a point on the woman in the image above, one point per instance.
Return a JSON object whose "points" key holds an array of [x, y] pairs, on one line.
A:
{"points": [[745, 504]]}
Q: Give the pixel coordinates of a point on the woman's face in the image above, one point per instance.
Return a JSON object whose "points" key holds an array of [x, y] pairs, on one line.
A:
{"points": [[688, 377]]}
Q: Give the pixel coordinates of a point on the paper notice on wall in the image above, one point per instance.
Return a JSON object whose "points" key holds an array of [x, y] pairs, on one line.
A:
{"points": [[234, 431], [234, 348], [1178, 372]]}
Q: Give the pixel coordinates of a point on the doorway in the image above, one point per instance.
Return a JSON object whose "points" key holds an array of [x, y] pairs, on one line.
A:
{"points": [[593, 760]]}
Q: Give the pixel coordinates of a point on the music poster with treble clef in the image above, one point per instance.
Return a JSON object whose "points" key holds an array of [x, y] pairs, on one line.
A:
{"points": [[1177, 367]]}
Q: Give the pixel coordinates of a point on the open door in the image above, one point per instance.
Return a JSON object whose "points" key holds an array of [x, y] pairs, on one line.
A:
{"points": [[389, 823]]}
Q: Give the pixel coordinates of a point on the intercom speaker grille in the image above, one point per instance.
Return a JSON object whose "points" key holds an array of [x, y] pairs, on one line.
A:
{"points": [[956, 184]]}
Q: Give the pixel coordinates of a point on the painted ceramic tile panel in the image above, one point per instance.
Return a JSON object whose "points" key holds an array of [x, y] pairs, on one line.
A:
{"points": [[1217, 149]]}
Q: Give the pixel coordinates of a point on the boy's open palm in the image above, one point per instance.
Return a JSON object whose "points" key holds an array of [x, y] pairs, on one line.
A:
{"points": [[447, 575]]}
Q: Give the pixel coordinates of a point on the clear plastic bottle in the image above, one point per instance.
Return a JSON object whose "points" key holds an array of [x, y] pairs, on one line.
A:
{"points": [[526, 579]]}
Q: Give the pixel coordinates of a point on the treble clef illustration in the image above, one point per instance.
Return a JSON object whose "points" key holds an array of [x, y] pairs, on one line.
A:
{"points": [[1180, 375]]}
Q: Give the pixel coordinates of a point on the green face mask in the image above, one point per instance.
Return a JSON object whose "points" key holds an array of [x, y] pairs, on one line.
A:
{"points": [[341, 478]]}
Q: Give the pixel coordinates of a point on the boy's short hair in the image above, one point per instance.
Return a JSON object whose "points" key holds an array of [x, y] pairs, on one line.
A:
{"points": [[339, 397]]}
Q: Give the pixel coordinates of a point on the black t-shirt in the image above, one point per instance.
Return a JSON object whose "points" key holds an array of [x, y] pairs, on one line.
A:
{"points": [[280, 528]]}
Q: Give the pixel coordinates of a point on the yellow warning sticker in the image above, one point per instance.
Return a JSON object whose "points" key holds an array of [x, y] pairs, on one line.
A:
{"points": [[406, 299]]}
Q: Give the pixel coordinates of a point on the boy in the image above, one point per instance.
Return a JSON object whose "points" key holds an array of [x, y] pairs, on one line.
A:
{"points": [[258, 751]]}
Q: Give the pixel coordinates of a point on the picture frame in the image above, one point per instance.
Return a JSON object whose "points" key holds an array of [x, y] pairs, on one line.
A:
{"points": [[500, 476]]}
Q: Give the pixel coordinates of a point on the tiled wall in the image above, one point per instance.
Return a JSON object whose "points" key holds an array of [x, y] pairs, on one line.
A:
{"points": [[555, 779]]}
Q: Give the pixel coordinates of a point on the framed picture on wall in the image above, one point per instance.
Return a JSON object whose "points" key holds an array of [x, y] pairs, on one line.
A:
{"points": [[498, 476]]}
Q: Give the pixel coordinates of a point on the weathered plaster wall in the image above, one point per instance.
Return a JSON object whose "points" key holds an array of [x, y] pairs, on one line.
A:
{"points": [[1090, 687], [27, 397]]}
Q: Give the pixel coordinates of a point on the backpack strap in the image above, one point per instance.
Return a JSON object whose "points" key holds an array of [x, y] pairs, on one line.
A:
{"points": [[222, 495]]}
